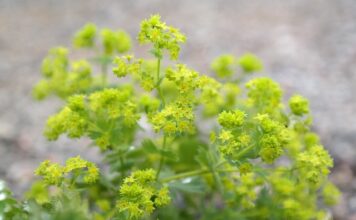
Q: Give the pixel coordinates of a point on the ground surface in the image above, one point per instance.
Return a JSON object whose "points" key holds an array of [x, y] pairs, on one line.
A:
{"points": [[307, 46]]}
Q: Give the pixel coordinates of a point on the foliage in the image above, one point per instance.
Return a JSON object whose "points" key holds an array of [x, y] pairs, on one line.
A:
{"points": [[177, 144]]}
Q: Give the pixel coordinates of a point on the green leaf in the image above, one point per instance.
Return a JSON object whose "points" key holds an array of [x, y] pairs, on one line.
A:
{"points": [[148, 146]]}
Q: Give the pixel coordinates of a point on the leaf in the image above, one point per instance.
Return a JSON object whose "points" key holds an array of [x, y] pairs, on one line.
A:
{"points": [[148, 146], [169, 155]]}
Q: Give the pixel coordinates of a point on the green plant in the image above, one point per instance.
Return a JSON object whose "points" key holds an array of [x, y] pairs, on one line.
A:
{"points": [[201, 148]]}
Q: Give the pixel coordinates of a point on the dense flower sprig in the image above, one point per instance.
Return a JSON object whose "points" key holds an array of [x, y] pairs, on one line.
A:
{"points": [[85, 37], [264, 94], [54, 174], [161, 36], [109, 107], [299, 105], [139, 196], [250, 63], [262, 161], [61, 80], [314, 164]]}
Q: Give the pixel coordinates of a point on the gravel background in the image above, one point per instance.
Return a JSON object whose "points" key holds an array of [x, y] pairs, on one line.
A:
{"points": [[307, 46]]}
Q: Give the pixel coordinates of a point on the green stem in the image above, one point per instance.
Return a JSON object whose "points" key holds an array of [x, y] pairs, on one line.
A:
{"points": [[123, 173], [216, 175], [194, 173], [244, 152], [158, 83], [158, 70], [104, 71], [161, 162]]}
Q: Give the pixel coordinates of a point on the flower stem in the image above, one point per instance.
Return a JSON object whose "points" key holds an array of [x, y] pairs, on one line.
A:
{"points": [[194, 173], [158, 83], [162, 157]]}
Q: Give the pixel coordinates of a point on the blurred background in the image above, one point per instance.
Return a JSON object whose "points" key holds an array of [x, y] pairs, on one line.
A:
{"points": [[309, 47]]}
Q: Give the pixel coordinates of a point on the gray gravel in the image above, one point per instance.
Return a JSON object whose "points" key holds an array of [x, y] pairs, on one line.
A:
{"points": [[307, 46]]}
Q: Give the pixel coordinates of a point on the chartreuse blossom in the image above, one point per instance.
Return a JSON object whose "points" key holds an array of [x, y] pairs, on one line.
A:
{"points": [[244, 189], [115, 41], [264, 94], [250, 63], [115, 103], [185, 79], [71, 120], [114, 106], [176, 118], [231, 119], [224, 65], [273, 139], [299, 105], [294, 197], [314, 164], [331, 194], [140, 195], [55, 174], [61, 80], [143, 71], [112, 41], [233, 140], [85, 37], [163, 37], [210, 95]]}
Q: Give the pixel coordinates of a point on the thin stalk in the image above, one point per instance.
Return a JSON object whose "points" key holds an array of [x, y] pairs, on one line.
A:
{"points": [[158, 70], [161, 162], [104, 72], [194, 173], [216, 176], [123, 173], [244, 152], [158, 83]]}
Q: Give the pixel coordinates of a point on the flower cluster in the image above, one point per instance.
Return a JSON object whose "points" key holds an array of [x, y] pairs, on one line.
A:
{"points": [[250, 63], [115, 41], [71, 120], [264, 94], [299, 105], [54, 174], [216, 97], [61, 80], [224, 65], [294, 198], [142, 71], [185, 79], [233, 139], [331, 194], [262, 161], [245, 189], [139, 194], [273, 139], [314, 164], [114, 103], [176, 118], [231, 120], [85, 37], [109, 107], [112, 41], [161, 36]]}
